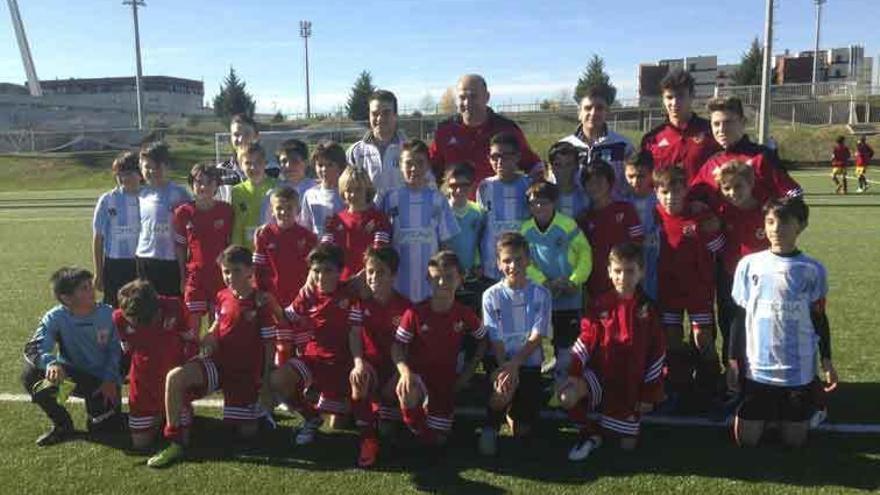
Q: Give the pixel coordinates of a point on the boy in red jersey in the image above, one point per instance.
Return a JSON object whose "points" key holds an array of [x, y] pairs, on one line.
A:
{"points": [[359, 225], [743, 222], [689, 243], [373, 376], [279, 251], [153, 329], [323, 317], [864, 154], [606, 224], [617, 362], [236, 355], [202, 230], [729, 129], [839, 161], [425, 351]]}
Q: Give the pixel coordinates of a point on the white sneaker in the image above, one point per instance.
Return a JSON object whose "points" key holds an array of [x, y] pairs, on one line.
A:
{"points": [[488, 444], [306, 433], [818, 418], [582, 449]]}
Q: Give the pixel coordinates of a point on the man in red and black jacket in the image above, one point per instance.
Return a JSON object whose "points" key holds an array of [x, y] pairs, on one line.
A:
{"points": [[684, 139], [465, 137], [728, 128]]}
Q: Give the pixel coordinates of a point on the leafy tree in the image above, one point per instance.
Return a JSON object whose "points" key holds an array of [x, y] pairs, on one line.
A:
{"points": [[751, 66], [278, 117], [427, 104], [447, 102], [594, 76], [233, 98], [358, 107]]}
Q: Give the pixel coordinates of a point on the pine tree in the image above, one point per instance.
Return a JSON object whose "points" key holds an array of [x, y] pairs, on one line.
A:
{"points": [[594, 76], [751, 66], [358, 107], [233, 98]]}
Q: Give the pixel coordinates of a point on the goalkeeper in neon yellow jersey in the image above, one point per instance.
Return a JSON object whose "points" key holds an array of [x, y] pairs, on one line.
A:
{"points": [[250, 199]]}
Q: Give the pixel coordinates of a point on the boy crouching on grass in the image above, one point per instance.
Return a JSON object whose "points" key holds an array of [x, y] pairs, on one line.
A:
{"points": [[85, 364], [783, 294], [153, 329], [236, 354], [516, 314], [617, 362]]}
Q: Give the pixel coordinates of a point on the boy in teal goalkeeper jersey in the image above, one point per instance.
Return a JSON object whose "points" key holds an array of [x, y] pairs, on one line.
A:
{"points": [[250, 199], [561, 260]]}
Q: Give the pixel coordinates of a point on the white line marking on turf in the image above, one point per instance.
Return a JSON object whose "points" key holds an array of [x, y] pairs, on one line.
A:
{"points": [[476, 412], [828, 175]]}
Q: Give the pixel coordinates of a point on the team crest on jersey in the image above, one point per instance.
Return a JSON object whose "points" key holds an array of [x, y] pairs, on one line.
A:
{"points": [[663, 143], [643, 312], [755, 280], [102, 336], [458, 327], [111, 212], [395, 321], [169, 323], [370, 226], [689, 230], [189, 226], [424, 328], [452, 141], [760, 234], [219, 223], [698, 138], [619, 217], [271, 246]]}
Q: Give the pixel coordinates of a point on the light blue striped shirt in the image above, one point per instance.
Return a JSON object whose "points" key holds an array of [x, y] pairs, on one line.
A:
{"points": [[777, 293], [646, 209], [117, 220], [421, 219], [156, 239], [505, 207], [512, 315]]}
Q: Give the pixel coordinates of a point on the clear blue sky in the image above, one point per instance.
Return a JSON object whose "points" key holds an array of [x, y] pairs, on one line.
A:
{"points": [[526, 50]]}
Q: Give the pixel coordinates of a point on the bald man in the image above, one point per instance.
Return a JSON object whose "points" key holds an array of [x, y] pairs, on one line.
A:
{"points": [[465, 136]]}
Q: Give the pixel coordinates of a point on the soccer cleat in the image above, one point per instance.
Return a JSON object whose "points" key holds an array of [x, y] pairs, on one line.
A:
{"points": [[306, 433], [488, 444], [818, 418], [582, 449], [369, 452], [57, 434], [168, 456]]}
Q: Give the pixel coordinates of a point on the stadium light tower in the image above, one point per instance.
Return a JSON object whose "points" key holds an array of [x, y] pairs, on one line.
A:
{"points": [[764, 124], [305, 30], [138, 86], [25, 49], [819, 4]]}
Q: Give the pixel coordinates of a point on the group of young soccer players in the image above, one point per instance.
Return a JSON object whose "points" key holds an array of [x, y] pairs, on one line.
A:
{"points": [[332, 300], [840, 161]]}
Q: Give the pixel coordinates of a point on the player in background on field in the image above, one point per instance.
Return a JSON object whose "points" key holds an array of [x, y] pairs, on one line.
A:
{"points": [[154, 330], [426, 349], [516, 316], [840, 157], [358, 226], [322, 201], [293, 162], [421, 221], [202, 230], [689, 243], [502, 198], [864, 154], [156, 250], [373, 376], [115, 228], [86, 362], [250, 198], [782, 292], [638, 171], [560, 259], [617, 361], [279, 250]]}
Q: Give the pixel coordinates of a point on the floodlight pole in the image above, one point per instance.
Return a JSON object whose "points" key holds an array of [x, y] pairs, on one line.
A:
{"points": [[138, 85], [764, 124], [305, 30], [816, 52]]}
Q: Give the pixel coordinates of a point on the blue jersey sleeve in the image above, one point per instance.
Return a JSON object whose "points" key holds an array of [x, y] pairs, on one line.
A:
{"points": [[740, 291], [491, 316], [46, 337], [101, 219], [112, 356], [543, 311], [447, 227], [819, 286]]}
